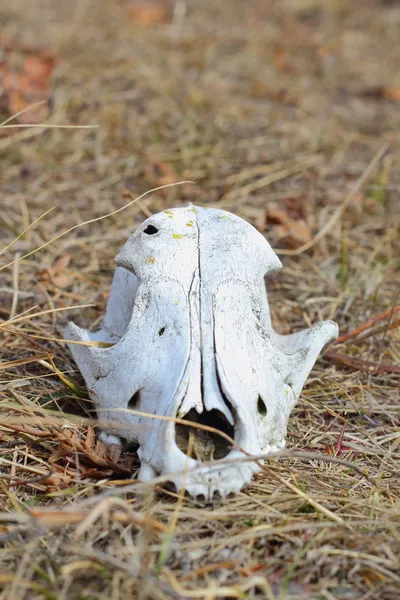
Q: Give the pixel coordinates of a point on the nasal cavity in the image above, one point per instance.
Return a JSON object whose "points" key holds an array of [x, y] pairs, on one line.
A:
{"points": [[201, 444], [134, 402], [261, 407]]}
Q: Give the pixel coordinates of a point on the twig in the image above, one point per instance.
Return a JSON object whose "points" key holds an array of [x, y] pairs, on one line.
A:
{"points": [[387, 314], [383, 328], [359, 364], [27, 429], [37, 479]]}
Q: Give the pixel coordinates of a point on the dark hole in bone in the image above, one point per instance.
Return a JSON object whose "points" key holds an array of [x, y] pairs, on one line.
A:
{"points": [[261, 407], [151, 230], [169, 486], [131, 447], [160, 333], [207, 445], [134, 401]]}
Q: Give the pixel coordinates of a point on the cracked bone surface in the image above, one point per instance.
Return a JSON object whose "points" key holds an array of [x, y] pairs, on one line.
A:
{"points": [[188, 335]]}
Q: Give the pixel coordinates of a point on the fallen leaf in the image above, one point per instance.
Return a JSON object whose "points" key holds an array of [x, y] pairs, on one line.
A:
{"points": [[90, 440], [93, 473], [277, 216], [19, 90], [54, 275], [100, 449], [295, 206], [160, 173], [260, 90], [17, 102], [147, 13], [291, 228], [114, 452], [282, 61], [294, 234], [75, 447], [391, 93], [38, 68]]}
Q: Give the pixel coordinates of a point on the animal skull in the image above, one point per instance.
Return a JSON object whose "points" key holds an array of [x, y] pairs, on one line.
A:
{"points": [[190, 337]]}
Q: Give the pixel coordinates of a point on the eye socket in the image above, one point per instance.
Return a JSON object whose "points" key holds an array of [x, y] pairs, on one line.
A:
{"points": [[261, 407], [150, 230], [135, 400]]}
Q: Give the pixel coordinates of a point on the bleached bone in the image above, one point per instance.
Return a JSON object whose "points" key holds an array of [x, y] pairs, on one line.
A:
{"points": [[190, 337]]}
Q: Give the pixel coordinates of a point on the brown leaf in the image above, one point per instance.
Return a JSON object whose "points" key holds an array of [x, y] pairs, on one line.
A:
{"points": [[260, 90], [90, 440], [114, 452], [18, 101], [281, 60], [126, 461], [391, 93], [11, 45], [100, 449], [148, 13], [100, 460], [21, 90], [295, 206], [38, 68], [93, 473], [54, 276], [295, 233], [60, 264], [160, 173], [277, 216]]}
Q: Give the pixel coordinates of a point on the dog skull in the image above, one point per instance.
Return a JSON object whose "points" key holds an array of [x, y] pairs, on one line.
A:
{"points": [[189, 336]]}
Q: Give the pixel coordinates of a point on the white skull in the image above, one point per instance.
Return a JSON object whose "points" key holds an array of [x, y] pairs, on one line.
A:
{"points": [[190, 337]]}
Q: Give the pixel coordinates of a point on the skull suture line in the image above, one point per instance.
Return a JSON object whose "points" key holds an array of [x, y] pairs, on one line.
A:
{"points": [[191, 335]]}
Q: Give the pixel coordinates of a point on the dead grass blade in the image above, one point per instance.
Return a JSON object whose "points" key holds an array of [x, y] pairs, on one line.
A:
{"points": [[90, 221], [2, 250], [337, 214]]}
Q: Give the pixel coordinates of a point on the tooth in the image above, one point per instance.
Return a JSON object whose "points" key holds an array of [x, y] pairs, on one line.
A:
{"points": [[108, 439], [197, 490], [146, 472], [210, 494], [277, 447], [267, 449]]}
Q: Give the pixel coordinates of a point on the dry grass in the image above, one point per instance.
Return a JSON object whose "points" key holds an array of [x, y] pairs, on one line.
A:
{"points": [[264, 105]]}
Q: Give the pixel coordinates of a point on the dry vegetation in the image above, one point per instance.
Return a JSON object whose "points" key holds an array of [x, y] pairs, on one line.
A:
{"points": [[287, 113]]}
